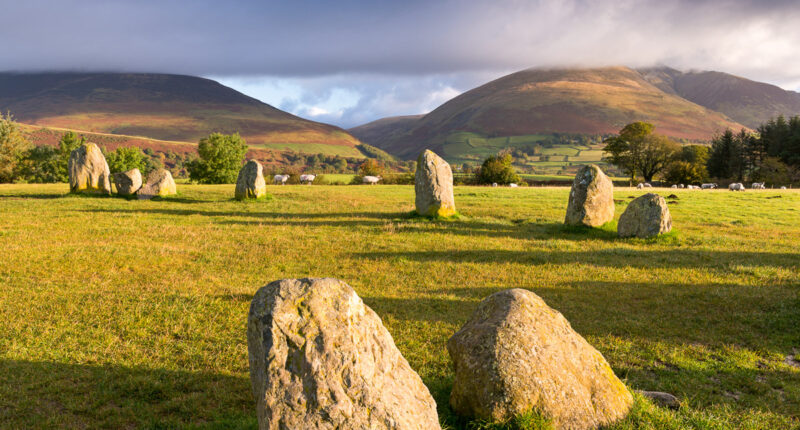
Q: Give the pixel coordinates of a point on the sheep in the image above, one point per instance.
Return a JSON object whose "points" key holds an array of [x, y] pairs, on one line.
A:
{"points": [[494, 184], [736, 186], [307, 179], [783, 187], [692, 187], [372, 180], [681, 186], [640, 186], [674, 186], [512, 185], [647, 185], [280, 179], [708, 186], [758, 186]]}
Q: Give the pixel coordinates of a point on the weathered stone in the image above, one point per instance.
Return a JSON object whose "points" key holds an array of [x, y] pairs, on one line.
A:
{"points": [[591, 199], [645, 216], [321, 359], [665, 400], [515, 355], [88, 170], [433, 184], [159, 183], [251, 184], [128, 183]]}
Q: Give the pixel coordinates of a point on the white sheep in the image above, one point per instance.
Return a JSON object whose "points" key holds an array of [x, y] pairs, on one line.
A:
{"points": [[512, 185], [758, 186], [647, 185], [280, 179], [494, 184], [307, 179], [708, 186], [736, 186], [674, 186], [783, 187], [681, 186], [372, 180], [640, 186]]}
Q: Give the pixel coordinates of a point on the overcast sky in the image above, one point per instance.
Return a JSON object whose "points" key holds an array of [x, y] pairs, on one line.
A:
{"points": [[347, 62]]}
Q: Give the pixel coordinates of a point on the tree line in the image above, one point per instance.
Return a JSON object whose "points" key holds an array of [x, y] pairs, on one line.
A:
{"points": [[770, 155]]}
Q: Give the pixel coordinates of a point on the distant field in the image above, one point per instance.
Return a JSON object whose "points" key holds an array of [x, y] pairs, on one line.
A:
{"points": [[313, 148], [132, 314]]}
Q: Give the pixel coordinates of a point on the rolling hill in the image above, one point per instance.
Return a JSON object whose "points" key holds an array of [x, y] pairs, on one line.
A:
{"points": [[527, 107], [384, 128], [748, 102], [162, 107]]}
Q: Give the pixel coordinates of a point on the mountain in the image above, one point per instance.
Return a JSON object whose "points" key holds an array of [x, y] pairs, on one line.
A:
{"points": [[162, 107], [384, 128], [748, 102], [525, 107]]}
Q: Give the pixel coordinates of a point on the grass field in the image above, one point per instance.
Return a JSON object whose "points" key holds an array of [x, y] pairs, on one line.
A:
{"points": [[121, 314], [313, 148]]}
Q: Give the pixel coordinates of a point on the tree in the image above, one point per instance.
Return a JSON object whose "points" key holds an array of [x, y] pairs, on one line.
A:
{"points": [[497, 168], [13, 145], [221, 157], [370, 167], [688, 165], [772, 172], [126, 158], [42, 164], [639, 151]]}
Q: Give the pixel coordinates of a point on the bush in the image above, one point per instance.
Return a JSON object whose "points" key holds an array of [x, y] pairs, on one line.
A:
{"points": [[13, 145], [221, 157], [42, 164], [126, 158], [497, 169]]}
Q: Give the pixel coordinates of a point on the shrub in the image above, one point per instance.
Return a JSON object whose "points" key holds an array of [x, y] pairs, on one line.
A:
{"points": [[497, 168], [13, 145], [221, 157]]}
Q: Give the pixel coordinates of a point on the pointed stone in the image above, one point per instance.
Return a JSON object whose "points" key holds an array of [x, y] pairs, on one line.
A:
{"points": [[646, 216], [591, 199], [433, 184], [88, 170], [251, 184]]}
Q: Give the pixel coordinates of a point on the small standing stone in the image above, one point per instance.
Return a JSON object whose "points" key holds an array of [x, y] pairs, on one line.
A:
{"points": [[128, 183], [159, 183], [251, 184], [515, 354], [321, 359], [88, 170], [433, 184], [591, 199], [646, 216]]}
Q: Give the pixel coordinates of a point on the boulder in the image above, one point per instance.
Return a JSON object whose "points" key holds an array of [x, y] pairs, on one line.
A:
{"points": [[321, 359], [515, 354], [88, 170], [251, 184], [433, 184], [159, 183], [645, 216], [128, 183], [591, 199]]}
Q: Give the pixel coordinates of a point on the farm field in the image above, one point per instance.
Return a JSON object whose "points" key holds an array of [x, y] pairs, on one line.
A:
{"points": [[122, 314]]}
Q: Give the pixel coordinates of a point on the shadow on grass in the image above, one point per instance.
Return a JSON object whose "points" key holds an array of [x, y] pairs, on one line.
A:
{"points": [[47, 394], [33, 196]]}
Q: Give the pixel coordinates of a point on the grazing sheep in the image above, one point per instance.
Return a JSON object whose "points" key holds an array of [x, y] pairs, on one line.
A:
{"points": [[674, 186], [647, 185], [307, 179], [708, 186], [681, 186], [494, 184], [692, 187], [758, 186], [280, 179], [736, 186], [640, 186], [783, 187], [372, 180], [512, 185]]}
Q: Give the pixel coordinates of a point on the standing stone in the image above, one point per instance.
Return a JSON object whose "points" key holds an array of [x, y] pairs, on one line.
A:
{"points": [[321, 359], [251, 184], [88, 170], [515, 354], [128, 183], [645, 216], [591, 199], [159, 183], [433, 184]]}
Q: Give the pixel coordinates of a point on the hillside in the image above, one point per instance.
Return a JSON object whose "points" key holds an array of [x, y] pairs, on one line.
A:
{"points": [[748, 102], [384, 128], [524, 108], [162, 107]]}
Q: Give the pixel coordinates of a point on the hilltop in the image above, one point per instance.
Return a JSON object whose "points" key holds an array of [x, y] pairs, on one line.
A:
{"points": [[162, 107], [748, 102], [527, 108]]}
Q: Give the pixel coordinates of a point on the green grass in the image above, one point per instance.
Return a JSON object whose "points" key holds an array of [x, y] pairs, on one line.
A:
{"points": [[119, 314], [313, 148]]}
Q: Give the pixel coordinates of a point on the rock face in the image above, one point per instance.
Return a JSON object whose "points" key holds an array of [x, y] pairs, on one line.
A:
{"points": [[159, 183], [321, 359], [433, 184], [645, 216], [251, 184], [88, 170], [591, 200], [128, 183], [516, 354]]}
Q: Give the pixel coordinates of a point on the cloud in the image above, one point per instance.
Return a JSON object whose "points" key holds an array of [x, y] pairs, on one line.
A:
{"points": [[405, 55]]}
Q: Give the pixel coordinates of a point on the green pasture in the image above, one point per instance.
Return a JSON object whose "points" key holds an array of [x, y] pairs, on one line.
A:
{"points": [[132, 314], [313, 148]]}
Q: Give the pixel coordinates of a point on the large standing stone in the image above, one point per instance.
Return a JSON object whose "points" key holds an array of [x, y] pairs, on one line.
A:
{"points": [[321, 359], [88, 170], [433, 184], [251, 184], [159, 183], [128, 183], [516, 354], [591, 199], [645, 216]]}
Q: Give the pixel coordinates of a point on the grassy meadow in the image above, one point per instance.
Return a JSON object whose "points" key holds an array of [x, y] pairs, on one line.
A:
{"points": [[132, 314]]}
